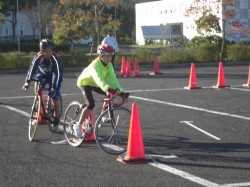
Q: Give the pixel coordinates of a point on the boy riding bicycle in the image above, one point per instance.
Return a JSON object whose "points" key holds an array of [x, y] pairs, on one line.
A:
{"points": [[99, 77], [46, 66]]}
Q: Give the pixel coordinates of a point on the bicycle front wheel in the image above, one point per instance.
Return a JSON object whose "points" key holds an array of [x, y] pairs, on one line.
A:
{"points": [[71, 117], [111, 130], [34, 117]]}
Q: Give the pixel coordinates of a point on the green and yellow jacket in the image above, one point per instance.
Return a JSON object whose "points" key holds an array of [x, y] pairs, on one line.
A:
{"points": [[100, 76]]}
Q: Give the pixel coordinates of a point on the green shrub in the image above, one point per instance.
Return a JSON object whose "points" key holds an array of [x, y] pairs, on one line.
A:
{"points": [[14, 60], [206, 52], [74, 59], [203, 52], [143, 55], [238, 52], [176, 55]]}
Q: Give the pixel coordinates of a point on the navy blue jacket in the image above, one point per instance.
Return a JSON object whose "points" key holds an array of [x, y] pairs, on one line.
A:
{"points": [[49, 68]]}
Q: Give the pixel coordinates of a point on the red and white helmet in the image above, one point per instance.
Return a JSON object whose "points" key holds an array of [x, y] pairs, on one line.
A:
{"points": [[105, 49]]}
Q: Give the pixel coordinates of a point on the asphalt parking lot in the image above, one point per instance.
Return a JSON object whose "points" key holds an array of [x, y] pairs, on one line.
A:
{"points": [[196, 137]]}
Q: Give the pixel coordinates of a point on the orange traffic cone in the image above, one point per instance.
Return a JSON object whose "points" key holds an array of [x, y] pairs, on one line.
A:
{"points": [[123, 66], [128, 68], [91, 137], [248, 81], [192, 79], [41, 119], [221, 83], [156, 65], [135, 148], [136, 68]]}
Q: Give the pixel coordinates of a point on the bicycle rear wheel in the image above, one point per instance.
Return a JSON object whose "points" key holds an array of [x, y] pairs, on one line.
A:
{"points": [[111, 130], [34, 118], [71, 117]]}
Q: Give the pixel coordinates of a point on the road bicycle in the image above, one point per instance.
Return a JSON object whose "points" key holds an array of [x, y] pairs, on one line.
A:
{"points": [[110, 129], [42, 110]]}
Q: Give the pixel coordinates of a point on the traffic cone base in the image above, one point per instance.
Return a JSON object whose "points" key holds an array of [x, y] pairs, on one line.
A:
{"points": [[223, 86], [125, 160], [190, 88]]}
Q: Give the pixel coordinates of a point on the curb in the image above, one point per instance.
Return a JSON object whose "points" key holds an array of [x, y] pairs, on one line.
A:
{"points": [[143, 67]]}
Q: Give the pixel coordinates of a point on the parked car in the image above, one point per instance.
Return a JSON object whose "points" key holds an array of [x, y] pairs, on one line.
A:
{"points": [[88, 41]]}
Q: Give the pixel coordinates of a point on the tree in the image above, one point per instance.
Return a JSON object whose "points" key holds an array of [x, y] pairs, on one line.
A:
{"points": [[79, 18], [208, 24], [1, 14], [206, 19]]}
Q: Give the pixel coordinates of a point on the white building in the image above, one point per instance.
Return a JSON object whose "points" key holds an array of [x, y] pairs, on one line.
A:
{"points": [[166, 20], [23, 29]]}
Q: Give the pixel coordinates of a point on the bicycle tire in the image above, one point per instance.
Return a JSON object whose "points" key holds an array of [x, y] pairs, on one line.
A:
{"points": [[112, 136], [71, 117], [52, 128], [34, 118]]}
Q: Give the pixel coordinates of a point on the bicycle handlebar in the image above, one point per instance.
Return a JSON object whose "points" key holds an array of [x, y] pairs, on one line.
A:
{"points": [[111, 97], [42, 83]]}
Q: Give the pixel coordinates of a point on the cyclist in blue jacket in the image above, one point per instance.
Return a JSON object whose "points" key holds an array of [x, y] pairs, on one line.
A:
{"points": [[46, 66]]}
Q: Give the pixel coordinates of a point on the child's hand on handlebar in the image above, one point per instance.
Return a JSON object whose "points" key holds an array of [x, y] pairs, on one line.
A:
{"points": [[25, 86], [111, 92], [53, 92], [125, 94]]}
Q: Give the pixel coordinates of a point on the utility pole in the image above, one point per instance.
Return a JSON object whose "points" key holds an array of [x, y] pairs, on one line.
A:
{"points": [[17, 20]]}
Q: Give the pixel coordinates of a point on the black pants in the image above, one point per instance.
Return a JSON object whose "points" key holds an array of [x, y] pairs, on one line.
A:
{"points": [[88, 96]]}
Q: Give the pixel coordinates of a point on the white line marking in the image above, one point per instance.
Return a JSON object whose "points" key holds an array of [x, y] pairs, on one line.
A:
{"points": [[17, 97], [193, 108], [28, 115], [241, 89], [236, 184], [60, 142], [156, 90], [32, 96], [16, 110], [197, 128], [183, 174], [161, 156]]}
